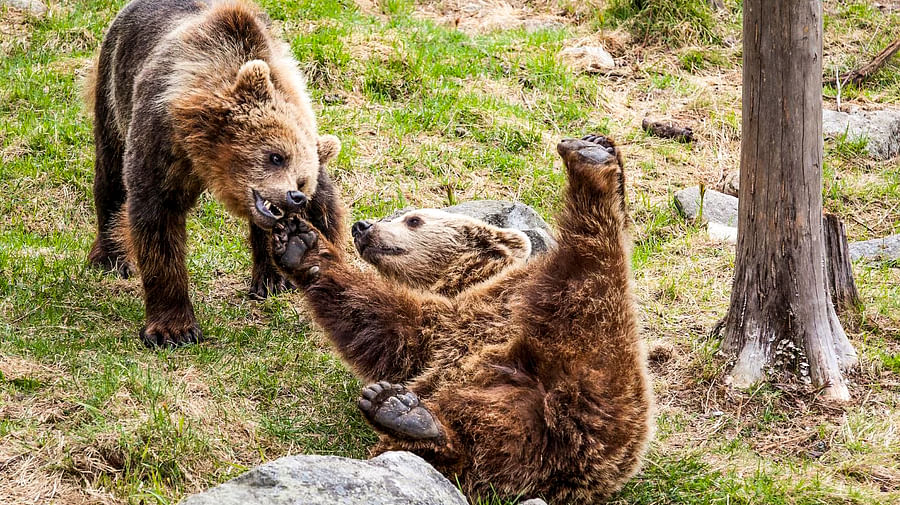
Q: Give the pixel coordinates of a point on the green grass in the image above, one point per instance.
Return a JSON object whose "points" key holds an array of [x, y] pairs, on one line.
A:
{"points": [[428, 116], [674, 23]]}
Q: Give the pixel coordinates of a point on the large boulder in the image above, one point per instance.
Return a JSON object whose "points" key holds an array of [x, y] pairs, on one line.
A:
{"points": [[510, 215], [714, 207], [880, 129], [504, 214], [393, 478]]}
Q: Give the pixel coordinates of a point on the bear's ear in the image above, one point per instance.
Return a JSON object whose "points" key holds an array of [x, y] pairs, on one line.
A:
{"points": [[516, 242], [329, 146], [254, 81]]}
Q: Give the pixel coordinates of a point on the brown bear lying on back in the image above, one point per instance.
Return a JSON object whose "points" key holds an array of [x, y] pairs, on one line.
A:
{"points": [[520, 379], [191, 95]]}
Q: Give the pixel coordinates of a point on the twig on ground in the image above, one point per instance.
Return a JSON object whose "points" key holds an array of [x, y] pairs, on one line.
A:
{"points": [[864, 72]]}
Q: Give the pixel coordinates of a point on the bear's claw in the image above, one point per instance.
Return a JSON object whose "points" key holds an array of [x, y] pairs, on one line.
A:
{"points": [[395, 409], [164, 337]]}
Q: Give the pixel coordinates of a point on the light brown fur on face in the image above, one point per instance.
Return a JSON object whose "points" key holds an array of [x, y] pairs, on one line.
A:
{"points": [[530, 383], [191, 96], [438, 251]]}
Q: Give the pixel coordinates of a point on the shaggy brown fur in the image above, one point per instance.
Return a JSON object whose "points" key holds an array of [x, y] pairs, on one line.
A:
{"points": [[192, 95], [531, 382]]}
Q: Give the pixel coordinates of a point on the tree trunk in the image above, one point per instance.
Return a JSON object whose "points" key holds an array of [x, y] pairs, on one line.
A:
{"points": [[781, 317], [838, 268]]}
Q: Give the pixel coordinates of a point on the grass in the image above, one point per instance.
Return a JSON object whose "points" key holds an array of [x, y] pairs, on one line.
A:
{"points": [[429, 115]]}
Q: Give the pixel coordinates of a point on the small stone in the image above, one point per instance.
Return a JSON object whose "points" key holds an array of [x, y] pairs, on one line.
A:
{"points": [[333, 99], [717, 207], [880, 129], [731, 184], [588, 58], [533, 501], [33, 7], [393, 478], [887, 248], [722, 233]]}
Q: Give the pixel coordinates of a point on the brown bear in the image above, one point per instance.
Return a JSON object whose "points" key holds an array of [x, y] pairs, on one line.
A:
{"points": [[526, 380], [191, 95]]}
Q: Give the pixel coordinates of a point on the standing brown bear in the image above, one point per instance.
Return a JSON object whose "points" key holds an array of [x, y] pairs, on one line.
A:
{"points": [[525, 380], [191, 95]]}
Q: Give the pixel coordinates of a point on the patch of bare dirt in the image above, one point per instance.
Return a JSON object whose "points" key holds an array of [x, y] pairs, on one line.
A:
{"points": [[14, 31]]}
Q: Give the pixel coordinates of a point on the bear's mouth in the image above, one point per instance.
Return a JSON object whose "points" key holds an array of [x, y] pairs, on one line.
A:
{"points": [[369, 251], [265, 213]]}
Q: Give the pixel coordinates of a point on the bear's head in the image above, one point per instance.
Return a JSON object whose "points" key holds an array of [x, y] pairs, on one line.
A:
{"points": [[439, 251], [254, 144]]}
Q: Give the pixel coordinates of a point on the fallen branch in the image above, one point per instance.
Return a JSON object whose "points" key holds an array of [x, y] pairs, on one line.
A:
{"points": [[668, 131], [862, 73]]}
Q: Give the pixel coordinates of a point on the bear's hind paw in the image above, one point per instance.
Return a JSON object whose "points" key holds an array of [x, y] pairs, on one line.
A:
{"points": [[395, 410]]}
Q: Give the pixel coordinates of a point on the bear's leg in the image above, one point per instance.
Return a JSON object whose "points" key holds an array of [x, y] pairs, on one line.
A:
{"points": [[158, 239], [595, 195], [396, 411], [109, 190], [266, 279]]}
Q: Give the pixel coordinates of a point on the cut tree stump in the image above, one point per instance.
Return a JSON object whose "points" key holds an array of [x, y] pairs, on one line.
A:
{"points": [[838, 267]]}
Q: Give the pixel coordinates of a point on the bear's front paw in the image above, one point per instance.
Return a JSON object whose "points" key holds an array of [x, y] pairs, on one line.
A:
{"points": [[292, 239], [170, 334], [397, 411]]}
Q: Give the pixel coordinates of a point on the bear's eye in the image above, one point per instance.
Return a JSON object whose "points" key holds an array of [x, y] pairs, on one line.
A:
{"points": [[413, 222], [276, 159]]}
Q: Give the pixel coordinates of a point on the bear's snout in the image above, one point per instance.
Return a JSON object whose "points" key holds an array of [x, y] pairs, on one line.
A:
{"points": [[295, 201], [360, 228]]}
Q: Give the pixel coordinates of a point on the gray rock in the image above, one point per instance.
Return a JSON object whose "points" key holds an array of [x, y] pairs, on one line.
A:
{"points": [[881, 129], [717, 207], [33, 7], [887, 248], [504, 214], [393, 478], [588, 58], [533, 501]]}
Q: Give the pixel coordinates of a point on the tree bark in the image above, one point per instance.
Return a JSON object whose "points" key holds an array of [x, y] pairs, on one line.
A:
{"points": [[781, 317], [839, 269]]}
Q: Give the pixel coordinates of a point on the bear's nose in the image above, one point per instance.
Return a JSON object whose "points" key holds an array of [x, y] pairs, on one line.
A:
{"points": [[295, 200], [359, 228]]}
